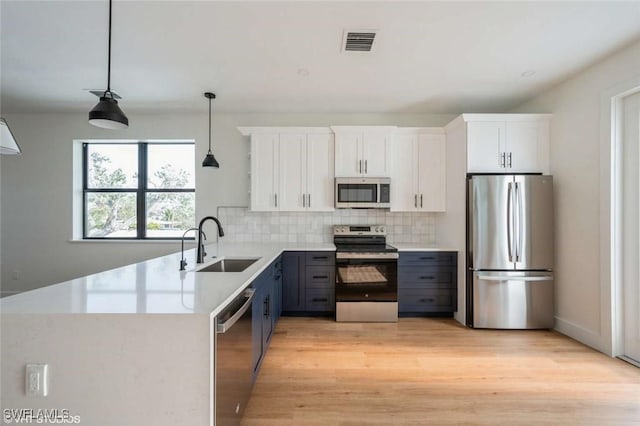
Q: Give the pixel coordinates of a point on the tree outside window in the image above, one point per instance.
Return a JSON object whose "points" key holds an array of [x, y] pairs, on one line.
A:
{"points": [[141, 190]]}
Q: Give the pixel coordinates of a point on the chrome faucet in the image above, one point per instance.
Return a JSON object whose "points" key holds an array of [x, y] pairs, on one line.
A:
{"points": [[183, 261], [201, 254]]}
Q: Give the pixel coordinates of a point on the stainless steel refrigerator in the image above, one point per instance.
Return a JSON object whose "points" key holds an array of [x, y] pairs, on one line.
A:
{"points": [[510, 251]]}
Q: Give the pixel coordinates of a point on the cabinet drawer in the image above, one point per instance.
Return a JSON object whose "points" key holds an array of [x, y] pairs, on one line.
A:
{"points": [[427, 300], [321, 277], [320, 258], [410, 276], [428, 258], [319, 300]]}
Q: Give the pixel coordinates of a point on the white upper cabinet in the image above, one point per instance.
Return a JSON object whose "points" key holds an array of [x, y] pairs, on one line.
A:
{"points": [[418, 170], [362, 150], [293, 173], [264, 172], [320, 175], [507, 143], [291, 168]]}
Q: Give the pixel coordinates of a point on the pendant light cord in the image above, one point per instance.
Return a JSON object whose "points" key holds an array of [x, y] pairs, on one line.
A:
{"points": [[209, 125], [109, 57]]}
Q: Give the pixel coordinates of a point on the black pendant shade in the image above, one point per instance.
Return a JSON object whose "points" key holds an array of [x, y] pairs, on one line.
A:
{"points": [[107, 114], [210, 160]]}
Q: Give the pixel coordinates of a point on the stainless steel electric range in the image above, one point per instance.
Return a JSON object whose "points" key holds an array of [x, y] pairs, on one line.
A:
{"points": [[366, 274]]}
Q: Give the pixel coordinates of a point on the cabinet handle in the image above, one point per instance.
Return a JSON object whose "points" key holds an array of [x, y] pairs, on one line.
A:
{"points": [[320, 276], [365, 167], [415, 200], [276, 199], [426, 300], [360, 166], [266, 307], [309, 200], [319, 299], [420, 200], [503, 160], [304, 201], [427, 258], [320, 257], [510, 160], [427, 277]]}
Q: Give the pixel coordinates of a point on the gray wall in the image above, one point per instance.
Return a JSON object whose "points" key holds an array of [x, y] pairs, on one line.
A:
{"points": [[580, 165], [36, 198]]}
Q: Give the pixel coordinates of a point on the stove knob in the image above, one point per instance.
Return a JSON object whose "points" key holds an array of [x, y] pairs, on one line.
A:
{"points": [[381, 229]]}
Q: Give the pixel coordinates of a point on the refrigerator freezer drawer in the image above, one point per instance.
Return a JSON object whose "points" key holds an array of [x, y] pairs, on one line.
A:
{"points": [[513, 300]]}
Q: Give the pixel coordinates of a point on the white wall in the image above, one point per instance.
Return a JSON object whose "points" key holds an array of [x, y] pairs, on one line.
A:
{"points": [[36, 195], [578, 153]]}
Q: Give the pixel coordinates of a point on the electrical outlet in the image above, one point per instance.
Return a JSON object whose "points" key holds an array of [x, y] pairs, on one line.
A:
{"points": [[15, 275], [37, 379]]}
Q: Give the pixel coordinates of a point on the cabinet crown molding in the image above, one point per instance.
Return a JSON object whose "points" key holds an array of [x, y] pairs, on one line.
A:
{"points": [[252, 130], [420, 131], [364, 129]]}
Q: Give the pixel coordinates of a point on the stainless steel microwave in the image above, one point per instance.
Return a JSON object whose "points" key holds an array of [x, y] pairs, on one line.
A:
{"points": [[363, 193]]}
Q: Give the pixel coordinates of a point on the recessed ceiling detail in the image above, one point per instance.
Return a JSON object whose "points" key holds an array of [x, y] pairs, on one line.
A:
{"points": [[359, 40]]}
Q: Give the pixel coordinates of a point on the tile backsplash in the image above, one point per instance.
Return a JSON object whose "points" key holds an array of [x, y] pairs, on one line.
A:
{"points": [[240, 224]]}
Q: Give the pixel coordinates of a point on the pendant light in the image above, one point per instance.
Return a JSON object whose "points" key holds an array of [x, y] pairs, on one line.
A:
{"points": [[210, 160], [107, 114], [8, 144]]}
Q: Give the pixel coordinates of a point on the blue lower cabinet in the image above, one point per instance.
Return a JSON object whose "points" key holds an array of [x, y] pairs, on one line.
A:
{"points": [[293, 281], [308, 282], [265, 311], [427, 283]]}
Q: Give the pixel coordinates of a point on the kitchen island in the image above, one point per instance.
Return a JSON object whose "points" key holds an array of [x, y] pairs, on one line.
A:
{"points": [[129, 346]]}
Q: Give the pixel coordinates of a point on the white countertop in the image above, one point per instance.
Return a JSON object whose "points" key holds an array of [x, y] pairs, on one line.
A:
{"points": [[156, 286], [419, 247]]}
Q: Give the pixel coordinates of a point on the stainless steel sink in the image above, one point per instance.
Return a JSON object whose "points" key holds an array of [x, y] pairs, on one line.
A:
{"points": [[229, 265]]}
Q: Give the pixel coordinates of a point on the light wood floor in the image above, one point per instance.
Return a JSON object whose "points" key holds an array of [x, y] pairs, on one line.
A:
{"points": [[434, 371]]}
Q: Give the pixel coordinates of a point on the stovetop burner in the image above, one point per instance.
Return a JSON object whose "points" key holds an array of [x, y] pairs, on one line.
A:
{"points": [[366, 248], [361, 239]]}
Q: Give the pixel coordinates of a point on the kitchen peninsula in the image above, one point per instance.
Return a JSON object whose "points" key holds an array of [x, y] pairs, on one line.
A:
{"points": [[133, 345]]}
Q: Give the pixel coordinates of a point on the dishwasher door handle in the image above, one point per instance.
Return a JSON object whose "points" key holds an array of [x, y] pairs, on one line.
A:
{"points": [[223, 327]]}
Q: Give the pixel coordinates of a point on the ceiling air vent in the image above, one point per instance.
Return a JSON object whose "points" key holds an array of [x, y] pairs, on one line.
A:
{"points": [[359, 41]]}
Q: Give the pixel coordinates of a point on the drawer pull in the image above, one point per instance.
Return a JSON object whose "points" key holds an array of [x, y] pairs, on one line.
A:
{"points": [[317, 277], [318, 299], [427, 277], [320, 257], [427, 258], [427, 300]]}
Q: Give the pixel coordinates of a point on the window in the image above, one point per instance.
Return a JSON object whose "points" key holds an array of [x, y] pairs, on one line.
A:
{"points": [[138, 190]]}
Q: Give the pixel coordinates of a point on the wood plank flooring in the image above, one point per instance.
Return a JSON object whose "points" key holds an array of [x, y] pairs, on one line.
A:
{"points": [[424, 371]]}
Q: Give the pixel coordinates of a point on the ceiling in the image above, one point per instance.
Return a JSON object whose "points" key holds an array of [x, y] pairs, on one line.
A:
{"points": [[430, 57]]}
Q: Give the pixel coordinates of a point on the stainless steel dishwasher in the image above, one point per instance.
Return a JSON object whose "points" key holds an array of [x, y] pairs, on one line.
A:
{"points": [[233, 360]]}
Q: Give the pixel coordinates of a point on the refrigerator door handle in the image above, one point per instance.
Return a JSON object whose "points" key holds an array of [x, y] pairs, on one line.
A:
{"points": [[509, 222], [520, 232], [512, 278]]}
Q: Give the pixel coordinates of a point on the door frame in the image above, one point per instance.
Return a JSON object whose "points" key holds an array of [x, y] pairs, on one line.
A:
{"points": [[611, 283]]}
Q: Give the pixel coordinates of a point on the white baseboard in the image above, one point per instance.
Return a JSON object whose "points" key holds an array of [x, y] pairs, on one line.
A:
{"points": [[582, 335]]}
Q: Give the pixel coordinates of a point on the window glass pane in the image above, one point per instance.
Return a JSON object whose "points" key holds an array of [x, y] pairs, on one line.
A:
{"points": [[169, 214], [111, 215], [171, 166], [112, 166]]}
